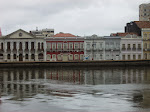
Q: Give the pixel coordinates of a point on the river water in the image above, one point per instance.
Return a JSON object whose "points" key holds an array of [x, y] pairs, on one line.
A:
{"points": [[116, 89]]}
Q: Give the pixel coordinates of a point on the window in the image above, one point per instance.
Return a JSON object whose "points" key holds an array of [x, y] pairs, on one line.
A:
{"points": [[123, 57], [8, 45], [32, 45], [71, 57], [128, 57], [76, 57], [76, 46], [39, 45], [2, 46], [59, 46], [134, 46], [65, 46], [32, 56], [71, 46], [59, 57], [15, 57], [128, 46], [26, 45], [139, 46], [42, 46], [101, 45], [134, 57], [139, 56], [26, 57], [53, 47], [81, 46], [101, 56], [145, 46], [20, 45], [48, 46], [14, 45], [88, 46], [8, 56], [123, 46], [145, 35]]}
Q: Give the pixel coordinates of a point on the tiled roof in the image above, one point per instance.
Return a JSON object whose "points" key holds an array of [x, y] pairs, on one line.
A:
{"points": [[143, 24], [123, 34], [64, 35]]}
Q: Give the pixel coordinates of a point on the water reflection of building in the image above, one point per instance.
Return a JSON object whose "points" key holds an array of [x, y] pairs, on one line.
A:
{"points": [[114, 76], [21, 82], [29, 81]]}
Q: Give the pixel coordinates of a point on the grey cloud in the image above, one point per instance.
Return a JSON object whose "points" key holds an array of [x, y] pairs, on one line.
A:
{"points": [[79, 17]]}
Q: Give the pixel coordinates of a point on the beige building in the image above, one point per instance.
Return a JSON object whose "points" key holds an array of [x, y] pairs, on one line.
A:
{"points": [[146, 42], [144, 12]]}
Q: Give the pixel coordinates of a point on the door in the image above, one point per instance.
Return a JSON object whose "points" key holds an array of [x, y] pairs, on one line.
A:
{"points": [[20, 57], [65, 57]]}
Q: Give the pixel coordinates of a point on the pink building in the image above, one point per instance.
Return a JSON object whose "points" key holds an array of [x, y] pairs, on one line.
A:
{"points": [[65, 47]]}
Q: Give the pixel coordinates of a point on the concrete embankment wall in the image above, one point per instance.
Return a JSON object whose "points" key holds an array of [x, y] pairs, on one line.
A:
{"points": [[76, 64]]}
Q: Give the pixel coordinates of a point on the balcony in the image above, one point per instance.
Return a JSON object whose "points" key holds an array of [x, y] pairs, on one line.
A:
{"points": [[108, 49], [40, 50], [14, 50], [133, 49], [139, 49], [32, 50], [8, 50], [128, 49], [88, 49], [123, 49], [26, 50], [1, 50]]}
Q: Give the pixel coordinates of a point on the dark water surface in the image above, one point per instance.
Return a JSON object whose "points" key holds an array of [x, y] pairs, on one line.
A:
{"points": [[75, 90]]}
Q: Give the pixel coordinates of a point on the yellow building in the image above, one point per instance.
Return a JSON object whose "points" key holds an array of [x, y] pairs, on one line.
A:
{"points": [[146, 42]]}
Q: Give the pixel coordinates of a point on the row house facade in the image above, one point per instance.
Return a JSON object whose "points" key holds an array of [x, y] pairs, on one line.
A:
{"points": [[102, 48], [112, 48], [65, 47], [22, 46], [146, 43], [94, 48], [131, 47]]}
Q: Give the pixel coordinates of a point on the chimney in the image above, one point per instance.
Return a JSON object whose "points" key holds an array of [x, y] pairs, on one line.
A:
{"points": [[0, 32]]}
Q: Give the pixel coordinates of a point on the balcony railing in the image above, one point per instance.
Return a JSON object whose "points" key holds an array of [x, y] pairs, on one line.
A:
{"points": [[139, 49], [129, 49], [133, 49]]}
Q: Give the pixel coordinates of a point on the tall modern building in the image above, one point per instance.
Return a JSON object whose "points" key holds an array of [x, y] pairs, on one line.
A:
{"points": [[144, 12]]}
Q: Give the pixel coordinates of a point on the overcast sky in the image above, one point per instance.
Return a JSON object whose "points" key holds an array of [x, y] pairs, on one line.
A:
{"points": [[79, 17]]}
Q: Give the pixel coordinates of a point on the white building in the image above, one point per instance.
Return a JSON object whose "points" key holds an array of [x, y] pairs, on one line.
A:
{"points": [[112, 48], [22, 46], [131, 47], [94, 48]]}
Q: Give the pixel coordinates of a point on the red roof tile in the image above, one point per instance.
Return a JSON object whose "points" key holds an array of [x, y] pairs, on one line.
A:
{"points": [[64, 35], [143, 24]]}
